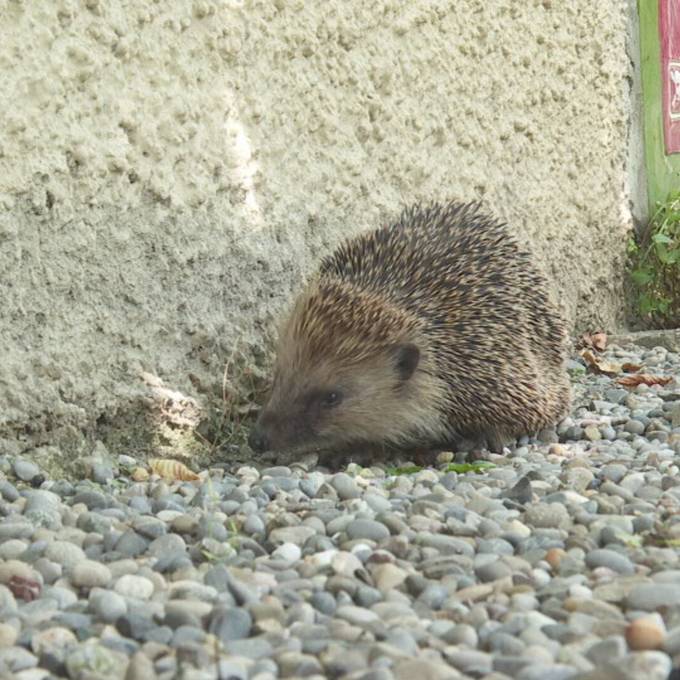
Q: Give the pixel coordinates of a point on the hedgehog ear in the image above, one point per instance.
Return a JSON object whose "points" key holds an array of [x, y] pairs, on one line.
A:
{"points": [[407, 358]]}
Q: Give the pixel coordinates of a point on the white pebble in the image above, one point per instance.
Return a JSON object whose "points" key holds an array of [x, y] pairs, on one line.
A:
{"points": [[133, 586], [580, 591], [541, 577], [288, 552], [90, 574]]}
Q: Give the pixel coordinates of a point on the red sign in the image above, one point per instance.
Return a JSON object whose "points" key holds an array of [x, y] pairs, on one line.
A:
{"points": [[669, 34]]}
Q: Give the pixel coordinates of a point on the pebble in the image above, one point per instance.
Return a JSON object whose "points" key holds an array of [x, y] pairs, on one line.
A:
{"points": [[610, 559], [607, 650], [492, 571], [289, 552], [634, 426], [66, 554], [90, 574], [345, 486], [651, 596], [141, 668], [367, 529], [25, 470], [646, 632], [132, 586], [650, 665], [106, 605], [614, 472], [547, 515], [389, 576], [229, 624], [8, 635], [592, 433]]}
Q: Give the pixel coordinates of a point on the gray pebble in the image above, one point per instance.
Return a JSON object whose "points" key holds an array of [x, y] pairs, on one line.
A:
{"points": [[607, 650], [434, 596], [492, 571], [345, 486], [323, 602], [131, 544], [614, 472], [608, 432], [106, 605], [64, 553], [541, 671], [251, 648], [93, 500], [232, 670], [634, 426], [8, 491], [547, 515], [15, 527], [102, 473], [17, 659], [366, 596], [25, 470], [368, 529], [167, 544], [651, 596], [253, 525], [521, 492], [610, 559]]}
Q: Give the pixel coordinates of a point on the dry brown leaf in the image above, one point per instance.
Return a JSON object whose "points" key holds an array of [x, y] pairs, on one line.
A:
{"points": [[139, 474], [643, 379], [598, 365], [600, 341], [631, 368], [596, 341], [172, 470]]}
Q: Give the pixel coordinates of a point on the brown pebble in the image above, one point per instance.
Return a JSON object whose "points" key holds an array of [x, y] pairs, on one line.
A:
{"points": [[553, 557], [647, 632]]}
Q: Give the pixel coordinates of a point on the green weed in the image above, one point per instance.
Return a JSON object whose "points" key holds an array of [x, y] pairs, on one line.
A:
{"points": [[655, 259], [462, 468], [403, 470]]}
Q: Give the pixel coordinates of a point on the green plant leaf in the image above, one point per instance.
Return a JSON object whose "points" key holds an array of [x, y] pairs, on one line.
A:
{"points": [[673, 256], [648, 304], [642, 276], [662, 253], [462, 468], [655, 265], [403, 470]]}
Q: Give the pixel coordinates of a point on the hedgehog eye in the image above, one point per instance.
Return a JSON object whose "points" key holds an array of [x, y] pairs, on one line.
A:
{"points": [[331, 399], [407, 358]]}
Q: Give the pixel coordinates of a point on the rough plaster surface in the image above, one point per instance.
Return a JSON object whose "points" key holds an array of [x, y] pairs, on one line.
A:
{"points": [[170, 171]]}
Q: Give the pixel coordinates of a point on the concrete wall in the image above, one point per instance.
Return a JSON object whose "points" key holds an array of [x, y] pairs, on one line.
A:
{"points": [[170, 171]]}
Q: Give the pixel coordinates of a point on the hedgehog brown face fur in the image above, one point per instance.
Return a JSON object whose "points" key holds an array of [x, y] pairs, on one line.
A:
{"points": [[350, 367]]}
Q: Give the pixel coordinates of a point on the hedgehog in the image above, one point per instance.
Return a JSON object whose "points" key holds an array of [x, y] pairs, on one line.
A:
{"points": [[423, 333]]}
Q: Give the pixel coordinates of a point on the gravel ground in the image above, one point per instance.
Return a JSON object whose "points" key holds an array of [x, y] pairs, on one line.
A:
{"points": [[562, 561]]}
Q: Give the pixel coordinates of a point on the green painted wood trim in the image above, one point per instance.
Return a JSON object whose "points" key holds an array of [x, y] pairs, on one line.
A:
{"points": [[663, 171]]}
